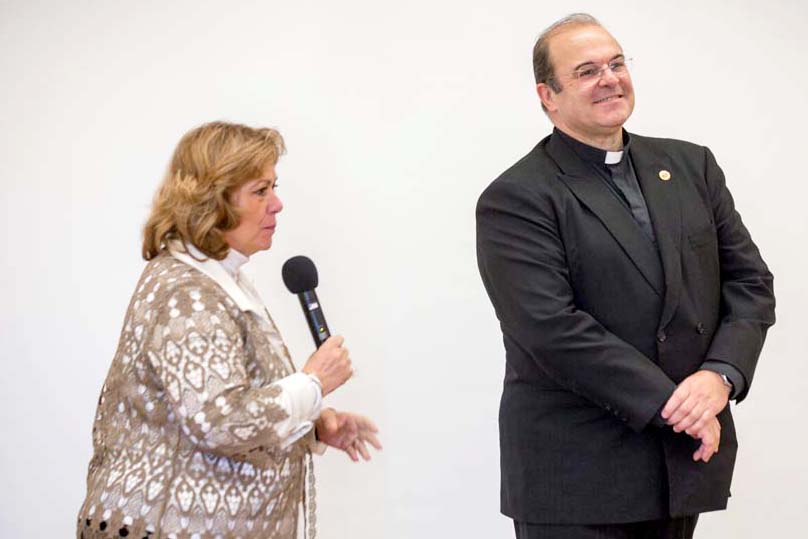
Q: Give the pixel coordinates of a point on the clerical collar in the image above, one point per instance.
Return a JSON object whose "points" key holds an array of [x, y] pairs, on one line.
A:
{"points": [[595, 155]]}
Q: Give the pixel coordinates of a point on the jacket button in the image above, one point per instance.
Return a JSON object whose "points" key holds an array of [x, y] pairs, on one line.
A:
{"points": [[700, 328], [661, 337]]}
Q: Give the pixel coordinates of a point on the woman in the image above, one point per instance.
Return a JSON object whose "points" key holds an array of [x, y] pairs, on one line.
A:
{"points": [[203, 427]]}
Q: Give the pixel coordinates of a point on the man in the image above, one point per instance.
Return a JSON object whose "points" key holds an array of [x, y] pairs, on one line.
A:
{"points": [[633, 304]]}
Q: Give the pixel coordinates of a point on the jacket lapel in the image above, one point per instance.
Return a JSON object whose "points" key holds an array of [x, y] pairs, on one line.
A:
{"points": [[593, 192], [663, 200]]}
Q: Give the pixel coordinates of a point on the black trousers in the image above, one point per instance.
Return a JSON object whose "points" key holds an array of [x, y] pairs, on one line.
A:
{"points": [[669, 528]]}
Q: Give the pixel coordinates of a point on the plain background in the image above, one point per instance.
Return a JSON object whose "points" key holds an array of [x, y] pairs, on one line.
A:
{"points": [[396, 116]]}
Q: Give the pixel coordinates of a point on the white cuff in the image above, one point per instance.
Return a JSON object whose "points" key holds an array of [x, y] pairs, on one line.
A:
{"points": [[305, 397], [302, 400], [297, 434]]}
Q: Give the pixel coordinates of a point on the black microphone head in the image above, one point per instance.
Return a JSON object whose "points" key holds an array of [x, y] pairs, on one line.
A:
{"points": [[299, 274]]}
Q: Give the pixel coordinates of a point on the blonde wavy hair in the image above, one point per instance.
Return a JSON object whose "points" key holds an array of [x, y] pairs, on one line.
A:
{"points": [[193, 203]]}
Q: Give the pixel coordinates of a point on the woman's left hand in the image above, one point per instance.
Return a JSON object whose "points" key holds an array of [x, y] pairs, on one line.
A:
{"points": [[346, 431]]}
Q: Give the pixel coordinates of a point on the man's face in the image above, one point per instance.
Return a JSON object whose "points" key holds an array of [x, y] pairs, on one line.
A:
{"points": [[588, 108]]}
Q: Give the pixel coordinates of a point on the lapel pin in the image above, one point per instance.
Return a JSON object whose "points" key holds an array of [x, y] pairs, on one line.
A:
{"points": [[664, 175]]}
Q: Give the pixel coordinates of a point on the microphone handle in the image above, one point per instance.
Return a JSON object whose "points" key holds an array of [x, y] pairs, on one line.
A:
{"points": [[314, 317]]}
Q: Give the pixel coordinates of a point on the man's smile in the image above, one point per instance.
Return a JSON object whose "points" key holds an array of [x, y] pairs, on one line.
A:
{"points": [[608, 98]]}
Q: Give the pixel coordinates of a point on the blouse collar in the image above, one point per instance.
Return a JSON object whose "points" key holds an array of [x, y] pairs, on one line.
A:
{"points": [[232, 262], [226, 273]]}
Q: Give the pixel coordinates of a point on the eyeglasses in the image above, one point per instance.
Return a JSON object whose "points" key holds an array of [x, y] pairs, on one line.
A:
{"points": [[591, 73]]}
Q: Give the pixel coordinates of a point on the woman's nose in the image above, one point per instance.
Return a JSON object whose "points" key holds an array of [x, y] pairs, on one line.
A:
{"points": [[276, 205]]}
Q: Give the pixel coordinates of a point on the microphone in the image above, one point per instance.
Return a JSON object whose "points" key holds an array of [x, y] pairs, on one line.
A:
{"points": [[300, 277]]}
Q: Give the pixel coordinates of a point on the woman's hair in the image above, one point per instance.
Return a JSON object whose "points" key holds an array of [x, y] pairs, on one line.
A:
{"points": [[193, 203]]}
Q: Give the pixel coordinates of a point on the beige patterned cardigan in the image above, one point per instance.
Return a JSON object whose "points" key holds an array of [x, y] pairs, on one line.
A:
{"points": [[185, 444]]}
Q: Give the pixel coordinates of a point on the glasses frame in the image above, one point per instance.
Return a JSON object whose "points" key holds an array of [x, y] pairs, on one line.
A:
{"points": [[619, 66]]}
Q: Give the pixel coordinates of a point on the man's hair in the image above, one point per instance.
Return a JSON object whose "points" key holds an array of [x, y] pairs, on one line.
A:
{"points": [[543, 69], [193, 203]]}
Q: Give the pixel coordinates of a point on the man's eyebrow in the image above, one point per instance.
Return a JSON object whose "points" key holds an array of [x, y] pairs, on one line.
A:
{"points": [[612, 59]]}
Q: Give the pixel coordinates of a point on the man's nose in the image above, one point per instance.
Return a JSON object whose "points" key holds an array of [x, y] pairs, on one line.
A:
{"points": [[607, 76]]}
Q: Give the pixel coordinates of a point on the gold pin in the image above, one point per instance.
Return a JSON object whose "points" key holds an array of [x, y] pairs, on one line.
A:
{"points": [[664, 175]]}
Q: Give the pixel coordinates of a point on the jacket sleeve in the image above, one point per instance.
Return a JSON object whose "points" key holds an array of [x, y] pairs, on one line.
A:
{"points": [[747, 287], [522, 262], [197, 353]]}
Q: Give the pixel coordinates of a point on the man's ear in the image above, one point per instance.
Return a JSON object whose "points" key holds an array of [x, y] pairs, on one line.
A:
{"points": [[547, 96]]}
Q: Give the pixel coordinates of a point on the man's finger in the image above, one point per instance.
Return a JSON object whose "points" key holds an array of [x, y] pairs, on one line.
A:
{"points": [[684, 408], [702, 423], [710, 452], [690, 419], [679, 395], [710, 437]]}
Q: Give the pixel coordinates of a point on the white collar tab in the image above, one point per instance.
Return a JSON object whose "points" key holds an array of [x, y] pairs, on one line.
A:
{"points": [[612, 158]]}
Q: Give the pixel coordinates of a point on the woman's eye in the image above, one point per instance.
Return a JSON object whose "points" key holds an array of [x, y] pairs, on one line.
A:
{"points": [[261, 192]]}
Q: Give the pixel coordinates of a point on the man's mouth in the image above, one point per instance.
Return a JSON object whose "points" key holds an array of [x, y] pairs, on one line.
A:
{"points": [[608, 98]]}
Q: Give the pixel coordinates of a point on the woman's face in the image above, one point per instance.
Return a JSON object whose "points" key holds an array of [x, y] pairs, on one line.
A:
{"points": [[258, 206]]}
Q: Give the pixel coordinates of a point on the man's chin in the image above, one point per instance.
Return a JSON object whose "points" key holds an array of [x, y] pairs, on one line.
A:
{"points": [[621, 107], [614, 119]]}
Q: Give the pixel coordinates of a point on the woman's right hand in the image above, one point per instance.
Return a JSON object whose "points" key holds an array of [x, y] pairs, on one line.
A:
{"points": [[330, 363]]}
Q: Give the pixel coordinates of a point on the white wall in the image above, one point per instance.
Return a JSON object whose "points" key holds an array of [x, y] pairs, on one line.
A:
{"points": [[396, 116]]}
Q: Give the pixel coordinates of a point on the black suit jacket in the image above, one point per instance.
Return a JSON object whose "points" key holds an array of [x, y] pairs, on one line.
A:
{"points": [[599, 326]]}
